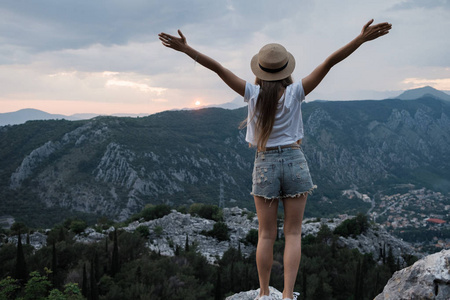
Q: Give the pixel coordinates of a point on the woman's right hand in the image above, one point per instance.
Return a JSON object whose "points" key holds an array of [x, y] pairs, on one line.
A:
{"points": [[176, 43]]}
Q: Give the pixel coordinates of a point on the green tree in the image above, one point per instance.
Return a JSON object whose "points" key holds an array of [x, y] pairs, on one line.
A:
{"points": [[94, 288], [220, 231], [21, 267], [18, 227], [37, 287], [84, 284], [152, 212], [115, 256], [143, 231], [78, 226], [8, 288], [252, 237], [206, 211]]}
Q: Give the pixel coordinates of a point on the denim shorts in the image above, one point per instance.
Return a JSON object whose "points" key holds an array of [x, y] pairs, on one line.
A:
{"points": [[281, 173]]}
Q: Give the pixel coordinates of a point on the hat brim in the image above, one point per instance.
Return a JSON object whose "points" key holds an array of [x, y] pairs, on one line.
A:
{"points": [[267, 76]]}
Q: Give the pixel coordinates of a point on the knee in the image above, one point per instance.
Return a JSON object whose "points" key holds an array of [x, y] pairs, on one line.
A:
{"points": [[292, 230], [268, 235]]}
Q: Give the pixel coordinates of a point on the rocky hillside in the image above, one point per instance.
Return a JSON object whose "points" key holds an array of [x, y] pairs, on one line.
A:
{"points": [[428, 279], [176, 227], [114, 166]]}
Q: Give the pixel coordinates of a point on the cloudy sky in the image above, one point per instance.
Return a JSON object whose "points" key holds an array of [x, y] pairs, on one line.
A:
{"points": [[104, 56]]}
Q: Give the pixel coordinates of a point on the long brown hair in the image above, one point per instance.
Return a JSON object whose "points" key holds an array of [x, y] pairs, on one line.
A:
{"points": [[266, 108]]}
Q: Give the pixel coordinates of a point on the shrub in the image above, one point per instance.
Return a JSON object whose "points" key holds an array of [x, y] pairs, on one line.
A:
{"points": [[220, 231], [354, 226], [158, 230], [143, 231], [152, 212], [78, 226], [206, 211], [252, 237]]}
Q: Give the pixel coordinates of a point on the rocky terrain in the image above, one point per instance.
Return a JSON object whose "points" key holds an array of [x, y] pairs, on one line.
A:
{"points": [[427, 279], [171, 231]]}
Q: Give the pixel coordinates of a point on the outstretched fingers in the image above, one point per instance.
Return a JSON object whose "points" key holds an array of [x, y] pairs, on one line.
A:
{"points": [[171, 41], [375, 31], [165, 38], [367, 25]]}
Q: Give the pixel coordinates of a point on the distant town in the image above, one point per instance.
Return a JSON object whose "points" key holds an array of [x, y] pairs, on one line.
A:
{"points": [[419, 216]]}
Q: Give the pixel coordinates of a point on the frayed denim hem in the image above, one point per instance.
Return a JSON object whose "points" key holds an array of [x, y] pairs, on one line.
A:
{"points": [[309, 192]]}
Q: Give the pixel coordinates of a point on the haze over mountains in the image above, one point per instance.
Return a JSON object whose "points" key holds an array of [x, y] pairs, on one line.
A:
{"points": [[28, 114], [113, 166]]}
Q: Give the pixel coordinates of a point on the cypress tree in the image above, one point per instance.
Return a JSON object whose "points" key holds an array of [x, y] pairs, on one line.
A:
{"points": [[84, 284], [21, 267], [138, 274], [232, 286], [105, 266], [54, 264], [62, 236], [186, 247], [94, 288], [304, 281], [359, 282], [28, 237], [390, 261], [218, 288], [115, 256]]}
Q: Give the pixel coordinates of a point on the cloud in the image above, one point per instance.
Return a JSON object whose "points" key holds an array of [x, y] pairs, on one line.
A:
{"points": [[439, 83], [107, 51], [412, 4], [134, 85]]}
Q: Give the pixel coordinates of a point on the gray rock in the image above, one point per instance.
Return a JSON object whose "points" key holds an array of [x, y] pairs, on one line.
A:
{"points": [[376, 238], [428, 278], [37, 240], [175, 227], [250, 295]]}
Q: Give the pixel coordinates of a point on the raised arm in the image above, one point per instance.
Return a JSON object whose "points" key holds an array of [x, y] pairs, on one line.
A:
{"points": [[180, 44], [368, 33]]}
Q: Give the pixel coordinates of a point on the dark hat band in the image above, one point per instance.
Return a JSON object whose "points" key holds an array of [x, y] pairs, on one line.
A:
{"points": [[273, 70]]}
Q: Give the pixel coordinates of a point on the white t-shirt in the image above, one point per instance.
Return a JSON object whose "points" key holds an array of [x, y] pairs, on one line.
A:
{"points": [[288, 126]]}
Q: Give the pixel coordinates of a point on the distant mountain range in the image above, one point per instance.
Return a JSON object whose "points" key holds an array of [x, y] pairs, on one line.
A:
{"points": [[29, 114], [423, 92], [113, 166]]}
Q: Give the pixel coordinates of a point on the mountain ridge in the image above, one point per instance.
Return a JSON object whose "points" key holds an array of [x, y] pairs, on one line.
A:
{"points": [[114, 166], [29, 114]]}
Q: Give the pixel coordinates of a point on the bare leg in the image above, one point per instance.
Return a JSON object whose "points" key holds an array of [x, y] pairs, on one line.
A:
{"points": [[267, 233], [293, 217]]}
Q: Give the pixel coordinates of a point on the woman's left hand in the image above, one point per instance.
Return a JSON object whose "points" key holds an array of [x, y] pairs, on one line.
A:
{"points": [[369, 33], [176, 43]]}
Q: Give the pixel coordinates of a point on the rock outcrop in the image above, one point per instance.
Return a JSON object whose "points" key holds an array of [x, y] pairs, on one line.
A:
{"points": [[37, 240], [250, 295], [427, 279], [176, 227], [375, 240]]}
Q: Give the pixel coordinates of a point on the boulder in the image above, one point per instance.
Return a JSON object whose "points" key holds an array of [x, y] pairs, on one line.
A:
{"points": [[428, 278], [250, 295]]}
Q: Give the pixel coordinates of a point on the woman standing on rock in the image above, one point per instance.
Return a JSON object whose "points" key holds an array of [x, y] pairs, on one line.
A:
{"points": [[275, 128]]}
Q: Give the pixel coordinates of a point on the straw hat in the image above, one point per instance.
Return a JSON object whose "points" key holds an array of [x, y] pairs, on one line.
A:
{"points": [[273, 63]]}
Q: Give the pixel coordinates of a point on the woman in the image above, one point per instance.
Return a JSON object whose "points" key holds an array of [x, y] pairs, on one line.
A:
{"points": [[274, 126]]}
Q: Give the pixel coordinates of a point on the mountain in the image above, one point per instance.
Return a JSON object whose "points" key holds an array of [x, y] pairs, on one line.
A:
{"points": [[426, 91], [23, 115], [113, 166]]}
